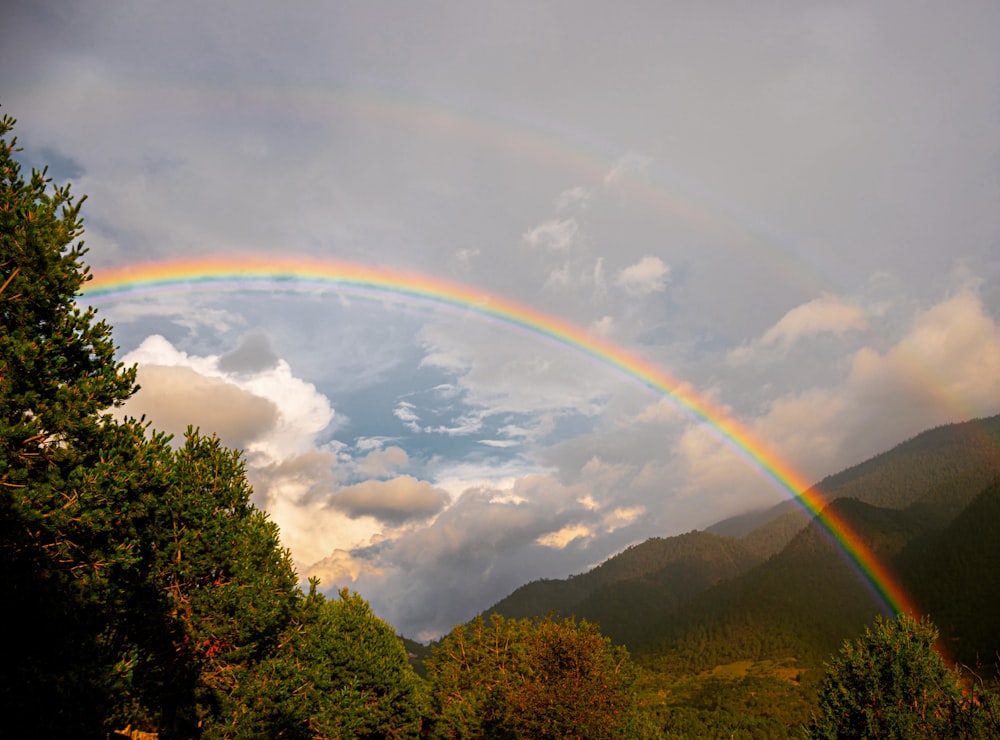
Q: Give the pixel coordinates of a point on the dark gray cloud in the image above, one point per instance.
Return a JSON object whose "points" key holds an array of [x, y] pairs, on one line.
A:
{"points": [[395, 500], [61, 168], [254, 354], [790, 210]]}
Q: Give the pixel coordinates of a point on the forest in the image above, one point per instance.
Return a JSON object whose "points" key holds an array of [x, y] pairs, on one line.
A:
{"points": [[150, 598]]}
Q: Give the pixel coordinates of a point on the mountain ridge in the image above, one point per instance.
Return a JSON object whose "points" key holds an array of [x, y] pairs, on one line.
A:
{"points": [[917, 486]]}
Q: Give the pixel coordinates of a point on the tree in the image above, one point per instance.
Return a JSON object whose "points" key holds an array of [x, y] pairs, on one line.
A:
{"points": [[60, 559], [226, 589], [138, 579], [892, 683], [579, 684], [339, 672], [531, 678]]}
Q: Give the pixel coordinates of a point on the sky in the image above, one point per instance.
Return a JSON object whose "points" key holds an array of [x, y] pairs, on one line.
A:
{"points": [[791, 208]]}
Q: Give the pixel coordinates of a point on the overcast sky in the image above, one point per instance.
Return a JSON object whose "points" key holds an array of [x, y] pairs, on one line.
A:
{"points": [[792, 207]]}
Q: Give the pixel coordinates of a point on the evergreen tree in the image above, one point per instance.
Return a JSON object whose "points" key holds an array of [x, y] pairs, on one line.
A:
{"points": [[892, 683], [339, 672], [138, 579], [227, 588], [61, 562]]}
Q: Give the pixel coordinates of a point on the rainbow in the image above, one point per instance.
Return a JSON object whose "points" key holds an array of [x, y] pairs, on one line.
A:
{"points": [[301, 274]]}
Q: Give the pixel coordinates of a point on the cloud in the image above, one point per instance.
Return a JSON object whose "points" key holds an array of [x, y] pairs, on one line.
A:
{"points": [[381, 462], [176, 397], [628, 164], [622, 516], [302, 411], [827, 314], [578, 197], [946, 368], [502, 443], [461, 261], [556, 235], [648, 275], [394, 501], [254, 355], [564, 536], [406, 413], [341, 567], [296, 492]]}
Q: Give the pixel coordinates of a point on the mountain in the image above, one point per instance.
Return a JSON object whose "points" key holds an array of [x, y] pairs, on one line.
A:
{"points": [[955, 577], [799, 603], [926, 467], [918, 486], [629, 594], [733, 625], [913, 506]]}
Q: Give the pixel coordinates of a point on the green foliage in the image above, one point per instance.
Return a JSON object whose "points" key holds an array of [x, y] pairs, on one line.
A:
{"points": [[57, 368], [68, 556], [763, 613], [763, 700], [531, 678], [360, 652], [890, 683], [340, 671], [227, 589]]}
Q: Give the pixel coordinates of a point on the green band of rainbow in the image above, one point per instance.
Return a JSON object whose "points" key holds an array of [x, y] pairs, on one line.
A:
{"points": [[304, 274]]}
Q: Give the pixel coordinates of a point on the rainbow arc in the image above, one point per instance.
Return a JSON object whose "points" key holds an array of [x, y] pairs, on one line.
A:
{"points": [[284, 274]]}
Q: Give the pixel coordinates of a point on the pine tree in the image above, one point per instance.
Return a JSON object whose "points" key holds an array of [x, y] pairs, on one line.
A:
{"points": [[340, 672], [138, 579], [59, 557]]}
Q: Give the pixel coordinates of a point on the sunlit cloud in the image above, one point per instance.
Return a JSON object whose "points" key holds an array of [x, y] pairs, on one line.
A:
{"points": [[564, 536], [648, 275]]}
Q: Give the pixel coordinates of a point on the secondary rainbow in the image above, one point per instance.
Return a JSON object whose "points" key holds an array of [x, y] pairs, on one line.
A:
{"points": [[300, 274]]}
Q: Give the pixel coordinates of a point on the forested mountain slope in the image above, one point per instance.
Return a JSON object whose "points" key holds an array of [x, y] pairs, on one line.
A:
{"points": [[927, 467], [954, 575], [769, 632], [800, 603], [632, 591], [918, 486]]}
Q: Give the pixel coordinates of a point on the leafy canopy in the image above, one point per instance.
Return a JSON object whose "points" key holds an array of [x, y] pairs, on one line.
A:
{"points": [[892, 683], [531, 678]]}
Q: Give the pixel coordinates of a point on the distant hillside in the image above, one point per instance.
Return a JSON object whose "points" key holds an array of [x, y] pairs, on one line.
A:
{"points": [[806, 598], [631, 592], [934, 475], [743, 524], [955, 577], [800, 603], [926, 467], [929, 461]]}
